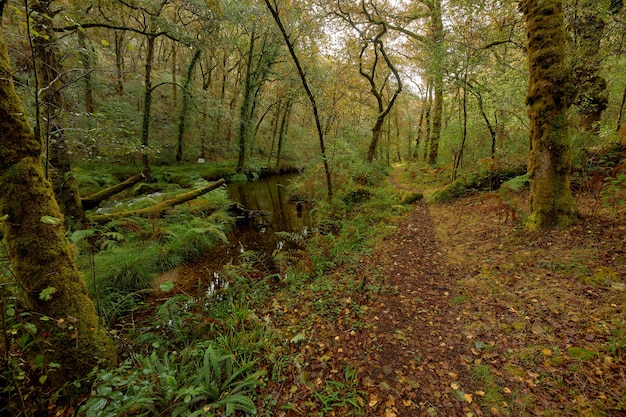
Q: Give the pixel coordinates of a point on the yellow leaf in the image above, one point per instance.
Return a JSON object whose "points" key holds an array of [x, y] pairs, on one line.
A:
{"points": [[104, 42], [373, 400], [454, 385], [407, 403], [469, 398], [546, 352]]}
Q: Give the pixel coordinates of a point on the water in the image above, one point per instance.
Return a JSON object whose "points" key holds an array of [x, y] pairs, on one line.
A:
{"points": [[265, 202], [270, 212]]}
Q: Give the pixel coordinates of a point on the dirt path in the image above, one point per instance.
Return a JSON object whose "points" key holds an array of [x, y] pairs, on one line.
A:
{"points": [[419, 367], [404, 340]]}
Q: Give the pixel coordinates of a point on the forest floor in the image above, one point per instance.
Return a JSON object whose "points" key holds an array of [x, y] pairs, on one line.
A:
{"points": [[472, 315]]}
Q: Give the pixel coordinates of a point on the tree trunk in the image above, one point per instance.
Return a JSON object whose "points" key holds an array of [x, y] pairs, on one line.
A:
{"points": [[418, 132], [40, 256], [318, 124], [93, 200], [428, 120], [459, 158], [51, 77], [592, 98], [284, 125], [86, 59], [621, 110], [147, 104], [159, 208], [185, 105], [438, 51], [119, 63], [549, 92], [245, 110]]}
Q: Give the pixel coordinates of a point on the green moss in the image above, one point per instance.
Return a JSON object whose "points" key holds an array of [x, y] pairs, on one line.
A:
{"points": [[39, 254], [582, 354]]}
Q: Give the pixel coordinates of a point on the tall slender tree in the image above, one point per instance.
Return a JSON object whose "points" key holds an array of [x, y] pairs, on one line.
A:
{"points": [[272, 6]]}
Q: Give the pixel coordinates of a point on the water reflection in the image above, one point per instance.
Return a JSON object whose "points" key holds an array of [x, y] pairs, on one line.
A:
{"points": [[270, 213]]}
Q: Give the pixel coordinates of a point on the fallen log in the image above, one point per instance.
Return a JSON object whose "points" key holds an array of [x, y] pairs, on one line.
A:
{"points": [[159, 208], [95, 199]]}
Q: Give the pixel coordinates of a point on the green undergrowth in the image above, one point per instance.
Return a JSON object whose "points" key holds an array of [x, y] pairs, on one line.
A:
{"points": [[121, 258], [216, 352]]}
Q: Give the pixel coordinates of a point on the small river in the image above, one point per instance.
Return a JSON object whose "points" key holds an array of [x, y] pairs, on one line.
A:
{"points": [[266, 201]]}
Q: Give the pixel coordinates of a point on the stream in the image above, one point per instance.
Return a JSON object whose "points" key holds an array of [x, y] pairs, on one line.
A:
{"points": [[266, 200], [266, 211]]}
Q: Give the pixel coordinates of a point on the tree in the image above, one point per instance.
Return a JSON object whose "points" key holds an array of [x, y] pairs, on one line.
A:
{"points": [[52, 78], [273, 8], [549, 93], [373, 34], [587, 22], [39, 254], [261, 55], [435, 43]]}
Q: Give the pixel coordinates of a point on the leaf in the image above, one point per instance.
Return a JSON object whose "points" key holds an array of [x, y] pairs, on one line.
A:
{"points": [[50, 220], [79, 235], [104, 42], [167, 286], [42, 379], [298, 338], [469, 398], [46, 293]]}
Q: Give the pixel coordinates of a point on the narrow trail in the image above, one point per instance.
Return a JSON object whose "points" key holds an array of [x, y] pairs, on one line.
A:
{"points": [[417, 343]]}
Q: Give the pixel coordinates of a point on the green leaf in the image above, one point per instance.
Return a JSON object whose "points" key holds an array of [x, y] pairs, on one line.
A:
{"points": [[298, 338], [50, 220], [167, 286], [79, 235], [30, 327], [39, 360], [104, 42], [46, 293], [42, 379], [104, 390]]}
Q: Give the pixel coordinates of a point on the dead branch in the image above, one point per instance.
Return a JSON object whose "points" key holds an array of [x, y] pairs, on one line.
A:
{"points": [[94, 199]]}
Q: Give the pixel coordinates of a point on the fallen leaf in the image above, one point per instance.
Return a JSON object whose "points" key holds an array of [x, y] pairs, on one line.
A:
{"points": [[469, 398]]}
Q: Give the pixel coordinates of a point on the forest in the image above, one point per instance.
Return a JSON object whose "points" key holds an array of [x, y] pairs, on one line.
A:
{"points": [[434, 224]]}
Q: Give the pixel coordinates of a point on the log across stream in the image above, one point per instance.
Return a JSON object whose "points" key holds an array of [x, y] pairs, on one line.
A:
{"points": [[264, 210]]}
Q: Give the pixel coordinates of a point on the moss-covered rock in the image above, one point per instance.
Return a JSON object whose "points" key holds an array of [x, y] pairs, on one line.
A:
{"points": [[478, 181]]}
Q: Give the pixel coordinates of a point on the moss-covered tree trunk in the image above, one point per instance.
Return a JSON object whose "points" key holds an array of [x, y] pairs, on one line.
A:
{"points": [[39, 254], [185, 105], [51, 77], [587, 22], [147, 105], [438, 51], [549, 92]]}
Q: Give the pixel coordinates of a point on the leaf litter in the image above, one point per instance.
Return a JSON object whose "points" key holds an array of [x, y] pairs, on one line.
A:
{"points": [[476, 317]]}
